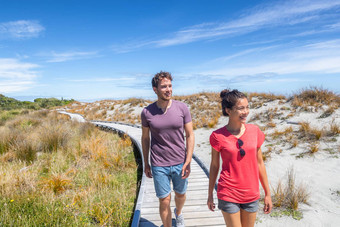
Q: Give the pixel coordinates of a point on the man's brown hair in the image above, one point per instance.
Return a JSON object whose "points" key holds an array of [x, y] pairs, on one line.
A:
{"points": [[159, 76]]}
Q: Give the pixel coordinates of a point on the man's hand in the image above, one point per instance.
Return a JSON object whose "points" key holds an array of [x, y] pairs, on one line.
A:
{"points": [[185, 171], [147, 171]]}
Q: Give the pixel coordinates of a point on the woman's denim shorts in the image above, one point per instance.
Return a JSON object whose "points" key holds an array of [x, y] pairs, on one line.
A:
{"points": [[232, 208], [162, 175]]}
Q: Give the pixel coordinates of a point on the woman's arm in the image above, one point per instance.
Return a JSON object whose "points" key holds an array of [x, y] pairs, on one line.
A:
{"points": [[214, 167], [264, 182]]}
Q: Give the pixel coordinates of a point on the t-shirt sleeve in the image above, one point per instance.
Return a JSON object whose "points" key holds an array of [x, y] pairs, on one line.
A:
{"points": [[214, 142], [260, 137], [187, 115], [145, 123]]}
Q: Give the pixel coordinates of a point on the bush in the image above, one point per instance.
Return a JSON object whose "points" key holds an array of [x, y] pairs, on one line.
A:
{"points": [[289, 196], [315, 97]]}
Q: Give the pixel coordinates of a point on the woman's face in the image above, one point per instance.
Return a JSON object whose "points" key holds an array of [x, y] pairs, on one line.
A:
{"points": [[239, 111]]}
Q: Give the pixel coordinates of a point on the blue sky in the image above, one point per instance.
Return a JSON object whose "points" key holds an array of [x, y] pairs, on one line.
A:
{"points": [[93, 50]]}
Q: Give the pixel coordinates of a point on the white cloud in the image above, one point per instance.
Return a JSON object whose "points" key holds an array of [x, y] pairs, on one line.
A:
{"points": [[293, 12], [288, 13], [103, 79], [14, 86], [21, 29], [69, 56], [334, 26], [16, 75], [318, 57]]}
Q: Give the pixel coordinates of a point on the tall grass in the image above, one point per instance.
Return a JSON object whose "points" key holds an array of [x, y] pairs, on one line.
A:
{"points": [[55, 172], [315, 97], [287, 196]]}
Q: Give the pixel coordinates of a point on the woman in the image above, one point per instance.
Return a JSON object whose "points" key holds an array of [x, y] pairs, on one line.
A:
{"points": [[239, 145]]}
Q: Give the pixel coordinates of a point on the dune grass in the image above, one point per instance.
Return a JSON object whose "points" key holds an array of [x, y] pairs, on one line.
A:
{"points": [[56, 172], [287, 196], [205, 107], [311, 99]]}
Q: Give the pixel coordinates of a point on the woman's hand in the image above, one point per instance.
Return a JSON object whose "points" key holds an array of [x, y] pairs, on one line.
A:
{"points": [[268, 205], [210, 203]]}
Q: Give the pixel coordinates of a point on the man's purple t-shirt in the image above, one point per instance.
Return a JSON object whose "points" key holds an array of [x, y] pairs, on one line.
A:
{"points": [[167, 132]]}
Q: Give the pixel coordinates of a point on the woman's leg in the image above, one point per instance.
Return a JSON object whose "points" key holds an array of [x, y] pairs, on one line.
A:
{"points": [[232, 220], [248, 218]]}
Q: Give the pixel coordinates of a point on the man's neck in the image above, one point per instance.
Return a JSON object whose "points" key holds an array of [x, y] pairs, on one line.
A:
{"points": [[163, 104]]}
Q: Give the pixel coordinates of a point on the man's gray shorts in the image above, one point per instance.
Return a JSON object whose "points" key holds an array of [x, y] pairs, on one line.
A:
{"points": [[232, 208]]}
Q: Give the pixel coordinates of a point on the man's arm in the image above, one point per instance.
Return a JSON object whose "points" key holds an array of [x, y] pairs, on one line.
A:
{"points": [[190, 143], [146, 147]]}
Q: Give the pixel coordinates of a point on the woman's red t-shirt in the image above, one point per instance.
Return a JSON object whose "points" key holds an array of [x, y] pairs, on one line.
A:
{"points": [[239, 178]]}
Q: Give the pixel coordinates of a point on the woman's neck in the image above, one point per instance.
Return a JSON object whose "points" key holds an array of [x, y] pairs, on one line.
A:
{"points": [[235, 128]]}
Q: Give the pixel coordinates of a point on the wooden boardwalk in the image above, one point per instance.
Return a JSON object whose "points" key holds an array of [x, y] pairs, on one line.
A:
{"points": [[195, 211]]}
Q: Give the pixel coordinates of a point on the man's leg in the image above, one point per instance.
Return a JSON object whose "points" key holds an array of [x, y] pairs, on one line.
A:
{"points": [[180, 187], [161, 178], [179, 201], [165, 211]]}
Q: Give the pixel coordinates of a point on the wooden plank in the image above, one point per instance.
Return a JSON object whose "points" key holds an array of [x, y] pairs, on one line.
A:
{"points": [[188, 215]]}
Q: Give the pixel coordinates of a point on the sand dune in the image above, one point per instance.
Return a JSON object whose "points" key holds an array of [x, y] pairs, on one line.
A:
{"points": [[304, 138]]}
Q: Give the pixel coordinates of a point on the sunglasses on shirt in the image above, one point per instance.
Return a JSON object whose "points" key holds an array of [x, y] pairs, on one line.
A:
{"points": [[240, 144]]}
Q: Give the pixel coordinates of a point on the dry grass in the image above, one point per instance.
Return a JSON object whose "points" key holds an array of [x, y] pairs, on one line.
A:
{"points": [[266, 97], [205, 108], [328, 112], [334, 129], [57, 183], [134, 102], [271, 124], [268, 116], [309, 133], [56, 172], [313, 147], [287, 132], [267, 154], [295, 142], [315, 97], [289, 195]]}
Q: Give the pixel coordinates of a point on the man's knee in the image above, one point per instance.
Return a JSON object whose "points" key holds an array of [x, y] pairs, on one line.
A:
{"points": [[179, 196], [164, 202]]}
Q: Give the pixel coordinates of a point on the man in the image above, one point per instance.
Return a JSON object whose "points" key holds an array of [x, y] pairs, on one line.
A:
{"points": [[167, 120]]}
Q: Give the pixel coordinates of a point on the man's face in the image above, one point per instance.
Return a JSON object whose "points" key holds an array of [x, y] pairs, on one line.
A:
{"points": [[164, 89]]}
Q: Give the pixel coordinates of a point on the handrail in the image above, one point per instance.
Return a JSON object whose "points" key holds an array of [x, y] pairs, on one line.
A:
{"points": [[137, 212]]}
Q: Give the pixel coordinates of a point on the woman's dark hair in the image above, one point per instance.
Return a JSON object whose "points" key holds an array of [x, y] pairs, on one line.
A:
{"points": [[230, 98], [159, 76]]}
